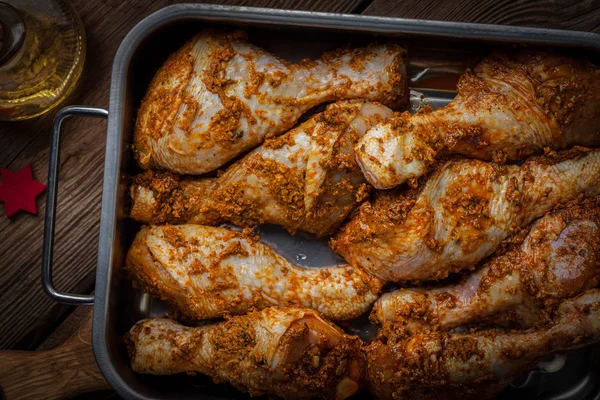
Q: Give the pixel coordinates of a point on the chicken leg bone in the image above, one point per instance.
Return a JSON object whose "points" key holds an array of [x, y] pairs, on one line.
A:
{"points": [[286, 352], [461, 214], [511, 106], [207, 272], [306, 179], [219, 96], [441, 365], [558, 258]]}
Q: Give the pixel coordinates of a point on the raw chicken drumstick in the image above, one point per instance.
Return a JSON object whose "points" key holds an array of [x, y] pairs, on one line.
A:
{"points": [[218, 96], [291, 353], [208, 272], [461, 214], [512, 105], [441, 365], [307, 179], [558, 257]]}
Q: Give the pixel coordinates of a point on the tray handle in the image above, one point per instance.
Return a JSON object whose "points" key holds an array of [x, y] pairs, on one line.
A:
{"points": [[53, 169]]}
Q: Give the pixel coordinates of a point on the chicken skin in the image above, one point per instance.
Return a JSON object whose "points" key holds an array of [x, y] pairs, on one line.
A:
{"points": [[207, 272], [511, 106], [219, 96], [556, 258], [441, 365], [291, 353], [307, 179], [461, 214]]}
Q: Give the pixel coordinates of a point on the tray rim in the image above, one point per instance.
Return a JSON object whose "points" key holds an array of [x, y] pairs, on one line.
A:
{"points": [[355, 22]]}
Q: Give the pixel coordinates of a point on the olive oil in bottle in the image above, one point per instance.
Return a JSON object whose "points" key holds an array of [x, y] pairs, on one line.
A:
{"points": [[42, 49]]}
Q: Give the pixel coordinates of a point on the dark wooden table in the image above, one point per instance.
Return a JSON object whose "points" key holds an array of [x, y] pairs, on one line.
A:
{"points": [[29, 320]]}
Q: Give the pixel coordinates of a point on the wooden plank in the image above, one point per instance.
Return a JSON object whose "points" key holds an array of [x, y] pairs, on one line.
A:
{"points": [[27, 315], [68, 328], [74, 322], [62, 372], [567, 14]]}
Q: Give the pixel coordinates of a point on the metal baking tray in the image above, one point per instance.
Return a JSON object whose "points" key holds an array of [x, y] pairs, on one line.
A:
{"points": [[440, 50]]}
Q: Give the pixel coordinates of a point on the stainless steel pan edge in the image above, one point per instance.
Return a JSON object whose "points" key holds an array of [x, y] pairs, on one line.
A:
{"points": [[115, 147]]}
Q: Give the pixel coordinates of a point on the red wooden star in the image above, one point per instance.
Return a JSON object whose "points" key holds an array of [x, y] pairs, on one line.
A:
{"points": [[18, 191]]}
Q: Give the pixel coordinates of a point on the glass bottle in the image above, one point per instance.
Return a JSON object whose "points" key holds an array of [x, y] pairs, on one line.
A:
{"points": [[42, 49]]}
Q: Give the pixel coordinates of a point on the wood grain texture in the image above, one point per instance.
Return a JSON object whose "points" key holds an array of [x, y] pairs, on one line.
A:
{"points": [[78, 318], [67, 329], [569, 14], [27, 315], [63, 372]]}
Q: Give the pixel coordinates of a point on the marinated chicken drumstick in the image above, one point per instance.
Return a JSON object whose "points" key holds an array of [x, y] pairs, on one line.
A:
{"points": [[307, 179], [461, 214], [218, 96], [558, 258], [441, 365], [511, 106], [291, 353], [208, 272]]}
